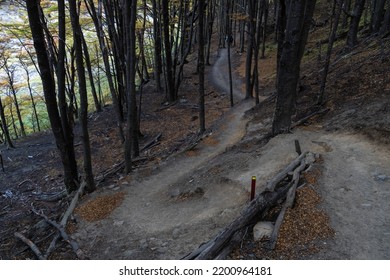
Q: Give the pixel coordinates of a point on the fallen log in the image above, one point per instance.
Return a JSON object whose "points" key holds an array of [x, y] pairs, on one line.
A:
{"points": [[61, 229], [30, 244], [234, 241], [301, 121], [262, 201], [65, 218], [287, 204], [152, 143], [219, 247], [282, 174]]}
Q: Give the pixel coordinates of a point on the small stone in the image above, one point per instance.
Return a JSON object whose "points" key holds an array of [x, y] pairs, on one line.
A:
{"points": [[262, 229], [366, 205], [129, 253], [381, 177], [310, 158], [176, 233], [161, 250], [118, 223]]}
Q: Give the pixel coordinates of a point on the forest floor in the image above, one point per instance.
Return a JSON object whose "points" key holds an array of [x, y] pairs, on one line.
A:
{"points": [[178, 198]]}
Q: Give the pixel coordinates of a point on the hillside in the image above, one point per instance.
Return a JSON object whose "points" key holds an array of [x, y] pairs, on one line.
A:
{"points": [[186, 188]]}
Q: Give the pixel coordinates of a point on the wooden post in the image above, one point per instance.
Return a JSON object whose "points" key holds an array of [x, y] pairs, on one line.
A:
{"points": [[253, 187], [298, 147]]}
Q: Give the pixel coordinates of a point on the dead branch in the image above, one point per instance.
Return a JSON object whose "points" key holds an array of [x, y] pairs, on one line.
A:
{"points": [[30, 244], [152, 143], [65, 218], [288, 204], [281, 175], [117, 168], [53, 196], [1, 161], [236, 239], [215, 246], [75, 246], [301, 121]]}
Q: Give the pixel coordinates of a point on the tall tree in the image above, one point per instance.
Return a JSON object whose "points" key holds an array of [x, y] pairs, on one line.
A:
{"points": [[332, 37], [354, 25], [157, 43], [10, 72], [77, 38], [4, 127], [130, 16], [169, 76], [96, 16], [298, 24], [201, 66], [30, 91], [68, 161]]}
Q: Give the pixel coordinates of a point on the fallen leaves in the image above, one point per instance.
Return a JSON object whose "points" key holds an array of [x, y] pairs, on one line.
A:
{"points": [[100, 207]]}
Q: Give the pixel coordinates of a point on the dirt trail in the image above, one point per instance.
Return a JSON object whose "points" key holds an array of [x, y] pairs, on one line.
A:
{"points": [[192, 196], [355, 187], [164, 215]]}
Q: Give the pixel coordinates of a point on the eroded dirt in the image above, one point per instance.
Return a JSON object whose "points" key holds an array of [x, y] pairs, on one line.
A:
{"points": [[177, 202]]}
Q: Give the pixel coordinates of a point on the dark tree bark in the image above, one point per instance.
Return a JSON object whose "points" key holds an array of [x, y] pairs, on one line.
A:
{"points": [[354, 26], [69, 163], [33, 103], [229, 43], [385, 29], [298, 25], [280, 35], [332, 37], [10, 72], [77, 38], [130, 14], [261, 9], [88, 65], [201, 66], [66, 122], [250, 47], [378, 15], [347, 8], [187, 49], [4, 127], [210, 23], [97, 20], [170, 90], [157, 44]]}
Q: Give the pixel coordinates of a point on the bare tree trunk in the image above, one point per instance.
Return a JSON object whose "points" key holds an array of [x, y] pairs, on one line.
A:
{"points": [[201, 66], [71, 177], [332, 37], [210, 23], [354, 26], [77, 37], [4, 126], [98, 106], [298, 25], [130, 14], [33, 104], [386, 21], [96, 17], [378, 15], [10, 72], [249, 50], [170, 90], [157, 44]]}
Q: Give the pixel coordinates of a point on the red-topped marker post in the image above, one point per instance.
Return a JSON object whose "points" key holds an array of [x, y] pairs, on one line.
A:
{"points": [[253, 187]]}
